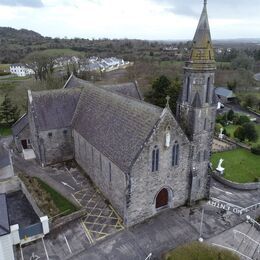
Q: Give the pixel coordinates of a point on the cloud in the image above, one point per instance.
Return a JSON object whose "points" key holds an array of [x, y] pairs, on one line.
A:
{"points": [[242, 9], [26, 3]]}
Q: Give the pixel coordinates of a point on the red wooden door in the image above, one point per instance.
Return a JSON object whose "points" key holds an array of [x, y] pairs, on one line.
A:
{"points": [[162, 198]]}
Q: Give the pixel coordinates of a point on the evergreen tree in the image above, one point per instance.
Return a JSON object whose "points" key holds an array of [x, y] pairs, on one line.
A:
{"points": [[9, 113], [250, 132]]}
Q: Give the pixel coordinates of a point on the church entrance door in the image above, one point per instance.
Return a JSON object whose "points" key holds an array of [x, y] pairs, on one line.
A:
{"points": [[162, 198]]}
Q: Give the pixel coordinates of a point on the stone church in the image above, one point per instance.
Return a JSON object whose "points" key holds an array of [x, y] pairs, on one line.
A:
{"points": [[142, 157]]}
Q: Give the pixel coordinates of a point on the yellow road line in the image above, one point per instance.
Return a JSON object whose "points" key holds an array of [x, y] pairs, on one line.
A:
{"points": [[87, 232]]}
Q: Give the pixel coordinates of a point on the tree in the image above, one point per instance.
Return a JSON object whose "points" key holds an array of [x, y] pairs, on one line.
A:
{"points": [[240, 133], [230, 115], [243, 119], [163, 87], [250, 132], [173, 92], [243, 61], [9, 113], [41, 63], [232, 85]]}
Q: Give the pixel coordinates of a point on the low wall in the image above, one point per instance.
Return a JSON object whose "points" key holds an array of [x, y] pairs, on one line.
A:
{"points": [[10, 185], [31, 200], [234, 185], [242, 145]]}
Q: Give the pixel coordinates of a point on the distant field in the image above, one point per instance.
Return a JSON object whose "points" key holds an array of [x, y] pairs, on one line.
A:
{"points": [[62, 52], [240, 165], [4, 66]]}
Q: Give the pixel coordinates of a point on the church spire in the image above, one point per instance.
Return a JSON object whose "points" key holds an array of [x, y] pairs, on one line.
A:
{"points": [[202, 49]]}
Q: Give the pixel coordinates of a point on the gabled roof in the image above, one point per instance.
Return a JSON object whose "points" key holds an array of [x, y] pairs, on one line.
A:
{"points": [[220, 91], [115, 125], [20, 124], [4, 219], [74, 82], [197, 101], [54, 109], [129, 89]]}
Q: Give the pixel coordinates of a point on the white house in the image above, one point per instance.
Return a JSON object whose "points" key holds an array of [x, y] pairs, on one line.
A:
{"points": [[20, 70]]}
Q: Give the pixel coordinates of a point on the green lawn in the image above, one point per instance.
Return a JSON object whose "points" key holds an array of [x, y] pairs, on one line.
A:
{"points": [[199, 251], [240, 165], [231, 129], [62, 203], [5, 131]]}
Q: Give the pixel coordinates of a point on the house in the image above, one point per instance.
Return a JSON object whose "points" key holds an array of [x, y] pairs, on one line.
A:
{"points": [[225, 95], [142, 157], [18, 226], [21, 70]]}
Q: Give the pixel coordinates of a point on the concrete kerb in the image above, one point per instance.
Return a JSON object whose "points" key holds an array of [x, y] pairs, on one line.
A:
{"points": [[234, 185], [67, 219]]}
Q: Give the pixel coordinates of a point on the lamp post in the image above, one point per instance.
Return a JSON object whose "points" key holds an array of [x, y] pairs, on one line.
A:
{"points": [[201, 223]]}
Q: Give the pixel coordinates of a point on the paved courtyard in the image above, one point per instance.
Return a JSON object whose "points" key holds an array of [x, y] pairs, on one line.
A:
{"points": [[100, 234]]}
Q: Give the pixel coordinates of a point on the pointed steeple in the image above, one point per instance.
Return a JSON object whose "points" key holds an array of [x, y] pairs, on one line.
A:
{"points": [[202, 49]]}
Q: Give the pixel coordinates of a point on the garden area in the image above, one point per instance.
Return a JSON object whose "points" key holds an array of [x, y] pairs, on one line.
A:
{"points": [[199, 251], [240, 165], [48, 200]]}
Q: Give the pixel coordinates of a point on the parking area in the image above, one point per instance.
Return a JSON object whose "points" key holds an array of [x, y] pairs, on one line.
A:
{"points": [[101, 219]]}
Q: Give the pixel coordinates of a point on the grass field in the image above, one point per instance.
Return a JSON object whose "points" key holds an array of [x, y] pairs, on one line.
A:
{"points": [[4, 66], [61, 52], [231, 129], [62, 203], [5, 131], [199, 251], [240, 165]]}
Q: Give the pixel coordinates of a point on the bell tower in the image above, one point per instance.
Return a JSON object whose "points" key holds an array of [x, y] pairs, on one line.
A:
{"points": [[196, 107]]}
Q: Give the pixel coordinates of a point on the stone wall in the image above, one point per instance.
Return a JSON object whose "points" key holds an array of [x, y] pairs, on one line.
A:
{"points": [[145, 184], [234, 185], [10, 185], [98, 166], [56, 145], [23, 135]]}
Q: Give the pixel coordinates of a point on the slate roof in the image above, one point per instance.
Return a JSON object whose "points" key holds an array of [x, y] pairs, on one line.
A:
{"points": [[74, 82], [220, 91], [4, 158], [115, 125], [4, 219], [20, 124], [54, 109], [127, 89]]}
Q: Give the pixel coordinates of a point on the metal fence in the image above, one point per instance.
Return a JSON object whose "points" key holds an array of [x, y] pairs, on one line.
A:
{"points": [[31, 231]]}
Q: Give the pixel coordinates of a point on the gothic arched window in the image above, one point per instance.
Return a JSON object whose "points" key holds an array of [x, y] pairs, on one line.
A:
{"points": [[208, 91], [188, 89], [175, 154], [205, 155], [155, 159]]}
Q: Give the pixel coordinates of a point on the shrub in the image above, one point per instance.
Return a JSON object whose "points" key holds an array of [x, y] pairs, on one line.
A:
{"points": [[256, 150], [240, 133], [3, 73], [243, 119], [230, 115], [250, 132], [218, 126]]}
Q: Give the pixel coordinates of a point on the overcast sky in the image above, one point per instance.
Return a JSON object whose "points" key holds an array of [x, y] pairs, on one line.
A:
{"points": [[139, 19]]}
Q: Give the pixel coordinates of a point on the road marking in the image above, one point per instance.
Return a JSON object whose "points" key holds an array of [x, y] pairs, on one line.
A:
{"points": [[66, 184], [21, 252], [227, 192], [67, 244], [34, 257], [45, 249], [91, 241], [232, 205]]}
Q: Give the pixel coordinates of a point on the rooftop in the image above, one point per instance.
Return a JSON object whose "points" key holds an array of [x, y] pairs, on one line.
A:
{"points": [[20, 210], [4, 220]]}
